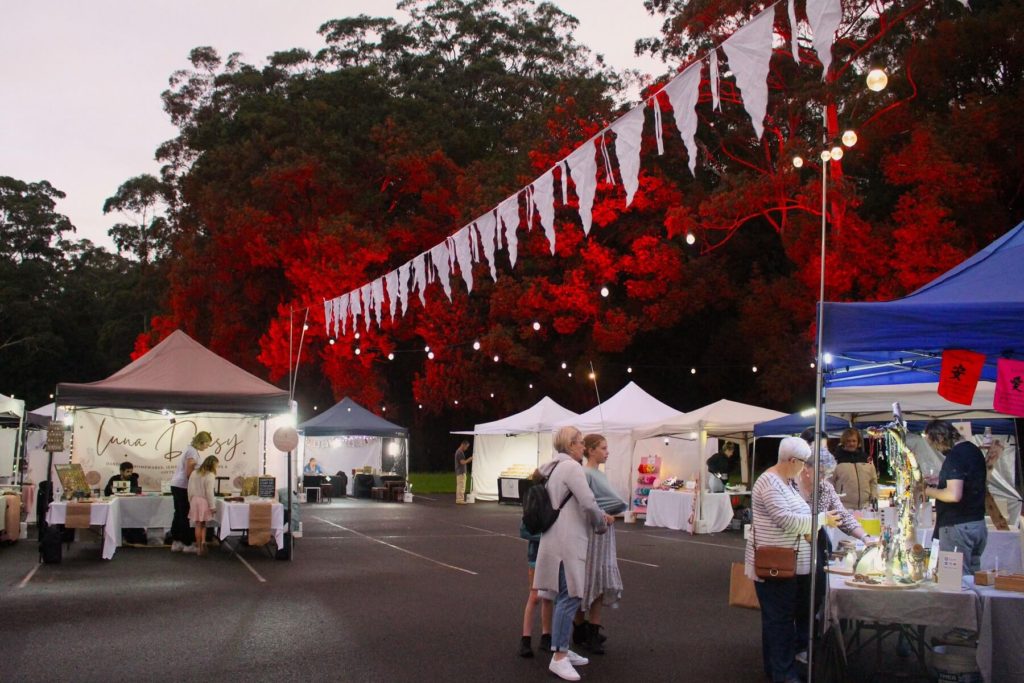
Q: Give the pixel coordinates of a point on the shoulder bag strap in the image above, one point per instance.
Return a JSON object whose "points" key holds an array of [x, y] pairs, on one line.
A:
{"points": [[567, 495]]}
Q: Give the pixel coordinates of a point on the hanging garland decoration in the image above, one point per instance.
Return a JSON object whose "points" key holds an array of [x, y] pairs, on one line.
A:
{"points": [[748, 52]]}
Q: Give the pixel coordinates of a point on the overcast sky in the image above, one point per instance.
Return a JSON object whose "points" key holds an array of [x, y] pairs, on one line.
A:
{"points": [[81, 81]]}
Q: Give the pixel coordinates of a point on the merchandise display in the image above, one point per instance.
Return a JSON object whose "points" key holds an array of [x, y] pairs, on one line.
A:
{"points": [[647, 478]]}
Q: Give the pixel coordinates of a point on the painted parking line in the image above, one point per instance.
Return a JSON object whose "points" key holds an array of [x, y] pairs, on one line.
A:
{"points": [[519, 538], [247, 565], [28, 577], [391, 545]]}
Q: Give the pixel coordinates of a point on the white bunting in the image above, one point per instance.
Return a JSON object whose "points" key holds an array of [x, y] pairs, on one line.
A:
{"points": [[441, 259], [544, 199], [366, 292], [378, 299], [487, 225], [683, 91], [749, 51], [341, 313], [508, 212], [793, 30], [824, 17], [658, 134], [464, 257], [403, 286], [391, 280], [328, 315], [716, 101], [355, 308], [583, 167], [419, 277], [628, 130], [564, 172]]}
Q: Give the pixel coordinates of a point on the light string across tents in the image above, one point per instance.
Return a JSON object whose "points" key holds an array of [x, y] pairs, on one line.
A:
{"points": [[748, 50]]}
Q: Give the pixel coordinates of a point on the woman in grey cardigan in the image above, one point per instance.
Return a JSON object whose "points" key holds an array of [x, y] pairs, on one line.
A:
{"points": [[561, 561]]}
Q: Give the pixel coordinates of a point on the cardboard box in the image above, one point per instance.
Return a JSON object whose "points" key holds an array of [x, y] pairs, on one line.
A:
{"points": [[985, 578], [1010, 582]]}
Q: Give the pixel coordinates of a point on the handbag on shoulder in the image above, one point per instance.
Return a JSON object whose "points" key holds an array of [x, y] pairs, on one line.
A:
{"points": [[774, 562]]}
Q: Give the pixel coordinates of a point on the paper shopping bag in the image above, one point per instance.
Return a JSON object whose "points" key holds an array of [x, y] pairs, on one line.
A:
{"points": [[741, 589]]}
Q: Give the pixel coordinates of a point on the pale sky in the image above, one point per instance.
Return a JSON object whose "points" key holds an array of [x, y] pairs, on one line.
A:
{"points": [[81, 81]]}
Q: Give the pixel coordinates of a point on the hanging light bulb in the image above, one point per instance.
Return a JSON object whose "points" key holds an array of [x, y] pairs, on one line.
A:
{"points": [[430, 355], [357, 335], [305, 327], [564, 366], [849, 138], [754, 369], [426, 349], [331, 341], [825, 155], [836, 153], [391, 356], [604, 292], [357, 351], [496, 358], [629, 370], [591, 376], [476, 346], [536, 325], [877, 80], [798, 162], [693, 371], [690, 238]]}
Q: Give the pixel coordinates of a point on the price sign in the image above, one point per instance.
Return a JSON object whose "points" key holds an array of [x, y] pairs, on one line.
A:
{"points": [[55, 437], [266, 488]]}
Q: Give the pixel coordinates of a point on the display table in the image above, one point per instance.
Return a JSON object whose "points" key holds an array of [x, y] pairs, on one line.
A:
{"points": [[1003, 548], [121, 512], [1000, 633], [233, 519], [673, 509], [510, 490], [100, 514]]}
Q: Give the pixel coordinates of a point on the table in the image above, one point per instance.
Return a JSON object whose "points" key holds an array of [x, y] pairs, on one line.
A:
{"points": [[1001, 633], [233, 518], [906, 611], [100, 514], [510, 489], [1003, 547], [121, 512], [672, 509]]}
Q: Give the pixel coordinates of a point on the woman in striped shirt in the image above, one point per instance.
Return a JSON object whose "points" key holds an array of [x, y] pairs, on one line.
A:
{"points": [[781, 518]]}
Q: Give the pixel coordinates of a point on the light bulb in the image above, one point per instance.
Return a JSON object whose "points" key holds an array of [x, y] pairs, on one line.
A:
{"points": [[476, 346], [391, 356], [357, 351], [456, 401], [604, 291], [754, 369], [536, 325], [564, 366], [592, 376], [836, 153], [331, 342], [305, 327], [496, 358], [492, 394], [827, 358], [426, 349], [629, 369], [825, 155], [693, 371], [798, 162], [430, 355], [570, 374], [877, 80], [690, 238], [849, 138], [531, 386], [357, 335]]}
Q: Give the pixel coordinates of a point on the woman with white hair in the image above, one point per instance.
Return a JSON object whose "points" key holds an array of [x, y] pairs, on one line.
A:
{"points": [[781, 518], [561, 560]]}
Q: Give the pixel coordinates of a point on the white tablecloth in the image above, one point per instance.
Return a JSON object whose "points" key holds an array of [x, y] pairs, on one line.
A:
{"points": [[233, 518], [926, 605], [672, 509], [100, 514], [1000, 634], [121, 512], [1004, 546]]}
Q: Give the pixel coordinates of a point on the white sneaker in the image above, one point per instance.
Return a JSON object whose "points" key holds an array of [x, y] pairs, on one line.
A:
{"points": [[576, 660], [177, 546], [190, 550], [563, 669]]}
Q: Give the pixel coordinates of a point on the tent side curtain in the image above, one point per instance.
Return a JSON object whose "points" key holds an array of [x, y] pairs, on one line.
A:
{"points": [[86, 396]]}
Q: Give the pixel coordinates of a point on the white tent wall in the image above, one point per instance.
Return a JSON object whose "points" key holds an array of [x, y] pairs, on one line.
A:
{"points": [[8, 451], [343, 453], [495, 453]]}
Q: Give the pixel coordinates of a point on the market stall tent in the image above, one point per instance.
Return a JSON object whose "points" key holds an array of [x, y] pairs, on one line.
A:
{"points": [[12, 421], [795, 424], [347, 436], [616, 419], [523, 439]]}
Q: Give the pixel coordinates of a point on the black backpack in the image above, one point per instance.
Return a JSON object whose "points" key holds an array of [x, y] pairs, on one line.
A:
{"points": [[538, 513], [50, 551]]}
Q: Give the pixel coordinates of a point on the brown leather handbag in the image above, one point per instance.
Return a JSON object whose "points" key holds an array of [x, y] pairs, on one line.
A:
{"points": [[774, 562]]}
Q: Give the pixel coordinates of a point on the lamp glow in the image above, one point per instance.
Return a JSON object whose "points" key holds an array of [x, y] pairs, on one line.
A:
{"points": [[629, 370], [430, 355], [604, 292], [591, 376], [827, 358], [798, 162], [690, 238], [836, 153], [357, 351], [391, 356], [877, 80], [476, 346], [849, 138], [536, 325], [496, 358], [825, 155]]}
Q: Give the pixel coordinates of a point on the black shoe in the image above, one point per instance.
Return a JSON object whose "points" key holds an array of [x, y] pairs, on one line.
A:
{"points": [[594, 644], [579, 633], [525, 648], [545, 642]]}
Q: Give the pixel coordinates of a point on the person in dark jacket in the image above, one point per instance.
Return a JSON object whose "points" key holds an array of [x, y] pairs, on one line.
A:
{"points": [[721, 465]]}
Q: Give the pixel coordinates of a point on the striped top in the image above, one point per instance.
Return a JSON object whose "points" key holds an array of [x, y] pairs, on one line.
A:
{"points": [[828, 500], [780, 517]]}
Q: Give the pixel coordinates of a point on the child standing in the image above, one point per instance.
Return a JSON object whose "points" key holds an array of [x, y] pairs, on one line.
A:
{"points": [[546, 605], [202, 504]]}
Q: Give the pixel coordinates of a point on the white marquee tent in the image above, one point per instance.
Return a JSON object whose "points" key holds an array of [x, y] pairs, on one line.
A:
{"points": [[616, 419], [520, 439], [12, 416]]}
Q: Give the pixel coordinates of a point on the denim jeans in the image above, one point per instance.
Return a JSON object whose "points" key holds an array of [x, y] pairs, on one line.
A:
{"points": [[968, 538], [565, 611], [778, 626]]}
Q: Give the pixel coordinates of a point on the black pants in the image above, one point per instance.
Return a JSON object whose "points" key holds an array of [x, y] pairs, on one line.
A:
{"points": [[181, 531]]}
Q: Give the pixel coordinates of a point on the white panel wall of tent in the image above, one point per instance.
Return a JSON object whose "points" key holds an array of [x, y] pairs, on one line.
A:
{"points": [[494, 453]]}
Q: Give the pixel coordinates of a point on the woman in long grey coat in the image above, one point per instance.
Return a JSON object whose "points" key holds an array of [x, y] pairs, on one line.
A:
{"points": [[562, 559]]}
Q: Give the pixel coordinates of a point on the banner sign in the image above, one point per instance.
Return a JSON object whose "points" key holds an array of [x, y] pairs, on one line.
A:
{"points": [[960, 373], [1009, 396], [153, 443]]}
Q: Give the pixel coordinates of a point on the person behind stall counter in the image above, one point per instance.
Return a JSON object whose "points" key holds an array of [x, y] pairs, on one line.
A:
{"points": [[127, 473]]}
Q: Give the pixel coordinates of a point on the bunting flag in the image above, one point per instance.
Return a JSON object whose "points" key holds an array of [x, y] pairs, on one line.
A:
{"points": [[628, 130], [1009, 396], [683, 92], [543, 194], [959, 376], [463, 255], [749, 51], [824, 17], [583, 167]]}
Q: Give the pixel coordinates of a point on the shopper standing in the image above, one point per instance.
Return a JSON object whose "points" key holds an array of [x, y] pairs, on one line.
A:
{"points": [[181, 530], [461, 462]]}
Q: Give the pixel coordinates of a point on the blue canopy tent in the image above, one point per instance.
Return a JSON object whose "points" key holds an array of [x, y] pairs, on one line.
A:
{"points": [[796, 423], [978, 305]]}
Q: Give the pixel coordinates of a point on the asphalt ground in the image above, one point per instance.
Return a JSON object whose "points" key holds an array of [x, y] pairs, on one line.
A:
{"points": [[422, 591]]}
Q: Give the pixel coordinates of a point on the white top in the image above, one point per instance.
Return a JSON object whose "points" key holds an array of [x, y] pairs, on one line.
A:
{"points": [[180, 479], [201, 486]]}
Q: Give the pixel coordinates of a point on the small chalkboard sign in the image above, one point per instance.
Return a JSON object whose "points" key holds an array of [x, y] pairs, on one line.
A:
{"points": [[266, 487], [55, 437]]}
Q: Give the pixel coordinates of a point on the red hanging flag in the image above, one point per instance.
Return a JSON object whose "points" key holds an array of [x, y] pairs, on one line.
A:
{"points": [[961, 370], [1009, 398]]}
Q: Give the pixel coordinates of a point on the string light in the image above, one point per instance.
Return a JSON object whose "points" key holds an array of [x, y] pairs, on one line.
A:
{"points": [[877, 80], [825, 155], [426, 349], [531, 386], [693, 371], [357, 351], [391, 356], [496, 358], [476, 346], [356, 336], [314, 409], [536, 325], [754, 369], [629, 370], [849, 138], [591, 376], [812, 365], [331, 341], [604, 292], [564, 366], [430, 355], [690, 238], [798, 162], [421, 406], [305, 327], [492, 394], [836, 153], [456, 401], [570, 374]]}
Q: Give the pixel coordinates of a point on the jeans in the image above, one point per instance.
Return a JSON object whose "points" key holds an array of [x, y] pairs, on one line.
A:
{"points": [[181, 530], [778, 626], [968, 538], [565, 610]]}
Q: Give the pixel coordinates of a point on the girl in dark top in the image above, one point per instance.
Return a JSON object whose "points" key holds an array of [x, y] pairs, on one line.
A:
{"points": [[959, 493]]}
